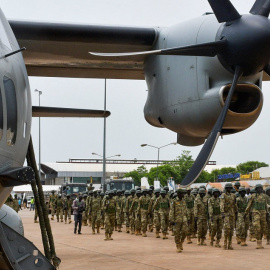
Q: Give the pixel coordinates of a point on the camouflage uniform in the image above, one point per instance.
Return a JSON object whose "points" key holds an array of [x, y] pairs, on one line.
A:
{"points": [[258, 206], [156, 219], [16, 205], [59, 209], [242, 222], [109, 208], [206, 199], [190, 208], [216, 220], [164, 208], [126, 214], [268, 211], [144, 209], [85, 214], [52, 201], [228, 209], [134, 211], [200, 214], [119, 210], [95, 212], [179, 216], [130, 213], [102, 217], [67, 209]]}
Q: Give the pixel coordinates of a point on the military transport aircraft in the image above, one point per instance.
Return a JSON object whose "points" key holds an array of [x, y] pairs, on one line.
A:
{"points": [[204, 75]]}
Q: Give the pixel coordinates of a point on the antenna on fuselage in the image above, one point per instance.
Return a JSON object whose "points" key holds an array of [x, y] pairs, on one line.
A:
{"points": [[17, 51]]}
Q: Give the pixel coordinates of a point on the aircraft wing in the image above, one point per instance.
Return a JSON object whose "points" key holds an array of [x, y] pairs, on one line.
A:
{"points": [[61, 50]]}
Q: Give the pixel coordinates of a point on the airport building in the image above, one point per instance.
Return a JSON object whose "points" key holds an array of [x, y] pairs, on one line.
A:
{"points": [[83, 170]]}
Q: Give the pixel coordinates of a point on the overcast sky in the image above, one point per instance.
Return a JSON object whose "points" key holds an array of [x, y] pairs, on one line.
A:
{"points": [[126, 127]]}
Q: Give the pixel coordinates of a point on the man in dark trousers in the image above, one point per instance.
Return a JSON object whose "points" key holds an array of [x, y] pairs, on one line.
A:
{"points": [[78, 208]]}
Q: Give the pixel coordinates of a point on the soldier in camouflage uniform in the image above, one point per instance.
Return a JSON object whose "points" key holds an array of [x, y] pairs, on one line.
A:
{"points": [[200, 216], [228, 209], [252, 237], [241, 222], [86, 212], [150, 221], [109, 208], [189, 198], [16, 206], [206, 199], [52, 201], [237, 186], [67, 208], [267, 192], [179, 217], [131, 213], [126, 214], [95, 211], [156, 212], [163, 203], [134, 209], [59, 208], [119, 210], [88, 201], [258, 206], [144, 209], [215, 217], [102, 195]]}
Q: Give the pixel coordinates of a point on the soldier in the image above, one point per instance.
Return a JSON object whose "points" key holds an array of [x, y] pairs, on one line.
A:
{"points": [[206, 199], [134, 209], [119, 210], [189, 198], [150, 220], [156, 212], [178, 218], [67, 208], [267, 192], [16, 204], [228, 209], [258, 206], [237, 186], [95, 211], [241, 222], [144, 209], [52, 201], [102, 195], [109, 208], [126, 214], [85, 214], [200, 216], [163, 204], [78, 207], [252, 237], [215, 217], [59, 208], [88, 201], [131, 214], [36, 214]]}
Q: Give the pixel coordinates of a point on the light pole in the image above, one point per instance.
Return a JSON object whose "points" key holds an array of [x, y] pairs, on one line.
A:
{"points": [[39, 156], [104, 167], [158, 148]]}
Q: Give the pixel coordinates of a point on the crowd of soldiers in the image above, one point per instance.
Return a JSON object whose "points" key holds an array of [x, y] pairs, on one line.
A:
{"points": [[186, 213]]}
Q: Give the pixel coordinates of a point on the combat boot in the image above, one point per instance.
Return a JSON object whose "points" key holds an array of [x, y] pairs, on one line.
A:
{"points": [[69, 221], [151, 228], [238, 240], [61, 220], [268, 241], [202, 242], [52, 218], [259, 244], [164, 235], [119, 229], [93, 232], [178, 249], [212, 241], [144, 234], [98, 231], [194, 235], [139, 232], [106, 237], [217, 243], [35, 221], [225, 242], [181, 244], [243, 242], [110, 237], [127, 229], [189, 240], [75, 230], [157, 234], [252, 238], [65, 222], [230, 243], [198, 241], [132, 230], [172, 232]]}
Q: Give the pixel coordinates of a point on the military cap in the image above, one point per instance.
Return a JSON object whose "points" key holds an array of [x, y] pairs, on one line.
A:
{"points": [[114, 189], [237, 184], [163, 191], [119, 191], [210, 189], [53, 191], [127, 192], [138, 191], [202, 186], [188, 188], [59, 195], [166, 188], [228, 185], [107, 192], [67, 195], [157, 190], [132, 190], [111, 192], [237, 194], [138, 188], [241, 189], [233, 191], [180, 190], [194, 191], [215, 190], [95, 191], [91, 192], [145, 190], [84, 195], [80, 196], [252, 191], [102, 194], [268, 188], [202, 190], [151, 187], [258, 186]]}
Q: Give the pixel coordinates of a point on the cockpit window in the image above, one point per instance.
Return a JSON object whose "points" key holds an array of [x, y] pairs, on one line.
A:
{"points": [[11, 102]]}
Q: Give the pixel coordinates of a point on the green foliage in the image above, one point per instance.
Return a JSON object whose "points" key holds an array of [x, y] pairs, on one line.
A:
{"points": [[164, 173], [249, 166], [136, 175]]}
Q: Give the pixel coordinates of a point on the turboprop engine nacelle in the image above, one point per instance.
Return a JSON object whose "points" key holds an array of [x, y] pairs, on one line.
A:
{"points": [[186, 93]]}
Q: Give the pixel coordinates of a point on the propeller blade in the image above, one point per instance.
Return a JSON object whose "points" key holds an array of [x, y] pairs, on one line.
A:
{"points": [[267, 69], [205, 49], [224, 10], [67, 112], [209, 145], [261, 7]]}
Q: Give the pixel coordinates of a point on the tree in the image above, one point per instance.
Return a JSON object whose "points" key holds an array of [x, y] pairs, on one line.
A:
{"points": [[249, 166], [165, 171], [136, 175]]}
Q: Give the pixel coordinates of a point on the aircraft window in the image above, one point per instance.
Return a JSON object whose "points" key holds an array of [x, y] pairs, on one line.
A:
{"points": [[24, 129], [11, 102], [1, 117], [3, 36]]}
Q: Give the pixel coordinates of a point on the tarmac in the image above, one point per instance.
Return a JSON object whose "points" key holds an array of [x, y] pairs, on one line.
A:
{"points": [[130, 252]]}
